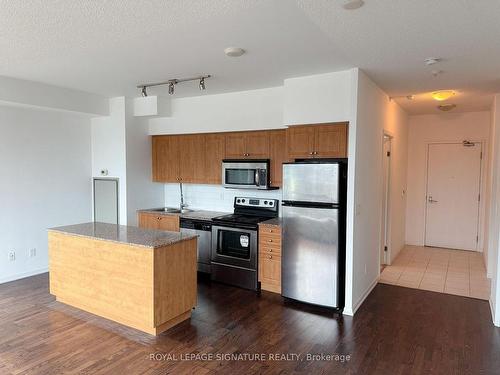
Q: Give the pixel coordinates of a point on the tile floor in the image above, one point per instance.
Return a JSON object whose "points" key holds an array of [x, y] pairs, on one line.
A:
{"points": [[439, 270]]}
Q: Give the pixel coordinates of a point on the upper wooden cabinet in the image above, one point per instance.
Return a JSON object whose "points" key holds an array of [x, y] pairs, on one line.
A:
{"points": [[317, 141], [196, 158], [178, 158], [214, 153], [166, 158], [278, 155], [247, 145], [191, 149]]}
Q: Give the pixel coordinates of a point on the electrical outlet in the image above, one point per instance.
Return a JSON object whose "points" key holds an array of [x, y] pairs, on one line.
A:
{"points": [[12, 255], [32, 252]]}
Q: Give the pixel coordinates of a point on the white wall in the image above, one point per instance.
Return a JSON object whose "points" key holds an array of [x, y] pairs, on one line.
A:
{"points": [[24, 93], [109, 150], [141, 191], [121, 144], [318, 98], [493, 253], [243, 110], [45, 170], [425, 129], [373, 112]]}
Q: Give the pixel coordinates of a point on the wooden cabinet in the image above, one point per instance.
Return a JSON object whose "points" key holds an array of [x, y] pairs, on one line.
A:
{"points": [[166, 158], [317, 141], [270, 257], [191, 150], [196, 158], [247, 145], [150, 220], [214, 153], [278, 155]]}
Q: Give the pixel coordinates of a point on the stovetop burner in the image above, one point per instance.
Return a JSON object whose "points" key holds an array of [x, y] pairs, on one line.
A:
{"points": [[239, 218], [250, 211]]}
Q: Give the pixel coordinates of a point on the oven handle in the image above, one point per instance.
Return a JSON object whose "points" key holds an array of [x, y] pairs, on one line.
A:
{"points": [[257, 176]]}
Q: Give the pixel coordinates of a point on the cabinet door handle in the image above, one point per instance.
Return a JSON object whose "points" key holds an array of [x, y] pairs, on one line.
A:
{"points": [[270, 257], [270, 250], [311, 153], [315, 152], [270, 231], [269, 240]]}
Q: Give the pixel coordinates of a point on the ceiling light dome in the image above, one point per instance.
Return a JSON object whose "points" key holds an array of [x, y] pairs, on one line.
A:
{"points": [[442, 95], [353, 4], [234, 51]]}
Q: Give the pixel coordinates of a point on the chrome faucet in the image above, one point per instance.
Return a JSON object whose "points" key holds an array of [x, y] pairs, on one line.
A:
{"points": [[182, 205]]}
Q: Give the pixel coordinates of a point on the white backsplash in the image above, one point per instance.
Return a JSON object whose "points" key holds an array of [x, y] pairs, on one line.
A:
{"points": [[212, 197]]}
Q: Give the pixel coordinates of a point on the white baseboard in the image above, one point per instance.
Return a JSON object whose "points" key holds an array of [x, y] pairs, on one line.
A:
{"points": [[23, 275], [496, 322], [352, 311]]}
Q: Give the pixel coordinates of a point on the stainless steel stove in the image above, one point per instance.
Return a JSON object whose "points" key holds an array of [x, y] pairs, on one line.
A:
{"points": [[235, 241]]}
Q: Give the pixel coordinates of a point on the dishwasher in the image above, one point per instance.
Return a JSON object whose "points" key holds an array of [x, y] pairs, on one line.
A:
{"points": [[204, 230]]}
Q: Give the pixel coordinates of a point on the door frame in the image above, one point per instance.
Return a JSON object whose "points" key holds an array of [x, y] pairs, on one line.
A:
{"points": [[386, 211], [482, 191]]}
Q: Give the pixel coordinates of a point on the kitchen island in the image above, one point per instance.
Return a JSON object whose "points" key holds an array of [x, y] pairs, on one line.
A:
{"points": [[142, 278]]}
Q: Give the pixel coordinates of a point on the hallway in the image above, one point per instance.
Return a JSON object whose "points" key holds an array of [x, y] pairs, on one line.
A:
{"points": [[439, 270]]}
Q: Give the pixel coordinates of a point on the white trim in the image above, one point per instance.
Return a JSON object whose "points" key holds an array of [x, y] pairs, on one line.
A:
{"points": [[24, 275], [355, 307], [496, 322]]}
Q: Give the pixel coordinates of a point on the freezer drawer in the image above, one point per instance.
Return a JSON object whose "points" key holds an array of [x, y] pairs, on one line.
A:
{"points": [[310, 182], [310, 255]]}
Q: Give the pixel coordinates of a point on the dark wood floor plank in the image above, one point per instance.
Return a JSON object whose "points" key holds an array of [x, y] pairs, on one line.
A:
{"points": [[396, 331]]}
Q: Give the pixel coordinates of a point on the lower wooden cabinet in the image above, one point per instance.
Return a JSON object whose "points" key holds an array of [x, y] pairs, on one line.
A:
{"points": [[270, 257], [150, 220]]}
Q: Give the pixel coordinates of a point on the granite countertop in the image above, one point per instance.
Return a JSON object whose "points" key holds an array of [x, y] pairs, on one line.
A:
{"points": [[195, 214], [147, 238], [274, 221]]}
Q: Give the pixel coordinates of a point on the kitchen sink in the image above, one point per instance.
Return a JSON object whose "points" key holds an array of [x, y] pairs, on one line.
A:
{"points": [[172, 210]]}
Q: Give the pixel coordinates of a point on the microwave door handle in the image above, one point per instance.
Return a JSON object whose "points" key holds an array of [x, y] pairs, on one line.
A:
{"points": [[257, 177]]}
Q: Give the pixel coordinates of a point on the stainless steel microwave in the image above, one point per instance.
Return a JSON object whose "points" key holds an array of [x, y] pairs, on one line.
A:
{"points": [[245, 174]]}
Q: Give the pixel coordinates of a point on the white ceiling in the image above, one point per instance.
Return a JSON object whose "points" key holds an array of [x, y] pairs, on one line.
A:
{"points": [[108, 47]]}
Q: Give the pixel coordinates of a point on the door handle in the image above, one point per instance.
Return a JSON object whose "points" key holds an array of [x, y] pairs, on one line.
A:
{"points": [[430, 200], [257, 177]]}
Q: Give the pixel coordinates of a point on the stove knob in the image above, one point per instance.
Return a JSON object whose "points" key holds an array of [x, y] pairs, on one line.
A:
{"points": [[265, 202], [238, 200], [242, 201]]}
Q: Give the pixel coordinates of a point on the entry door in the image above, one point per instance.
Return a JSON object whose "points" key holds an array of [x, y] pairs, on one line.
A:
{"points": [[453, 187]]}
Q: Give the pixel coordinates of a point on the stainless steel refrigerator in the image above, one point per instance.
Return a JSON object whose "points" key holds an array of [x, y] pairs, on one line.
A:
{"points": [[313, 210]]}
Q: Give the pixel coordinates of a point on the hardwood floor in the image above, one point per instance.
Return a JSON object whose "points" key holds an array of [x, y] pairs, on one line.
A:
{"points": [[396, 331]]}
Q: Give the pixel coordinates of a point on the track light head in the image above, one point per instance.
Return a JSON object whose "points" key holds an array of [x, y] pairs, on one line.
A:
{"points": [[143, 91], [202, 83], [171, 88]]}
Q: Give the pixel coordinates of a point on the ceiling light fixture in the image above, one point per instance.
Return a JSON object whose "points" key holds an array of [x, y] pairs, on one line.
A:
{"points": [[234, 51], [353, 4], [432, 60], [442, 95], [172, 82], [446, 107]]}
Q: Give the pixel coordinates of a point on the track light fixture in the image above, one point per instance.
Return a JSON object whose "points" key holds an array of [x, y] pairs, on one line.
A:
{"points": [[172, 82]]}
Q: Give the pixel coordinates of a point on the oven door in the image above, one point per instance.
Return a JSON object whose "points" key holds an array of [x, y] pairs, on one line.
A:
{"points": [[243, 174], [234, 246]]}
